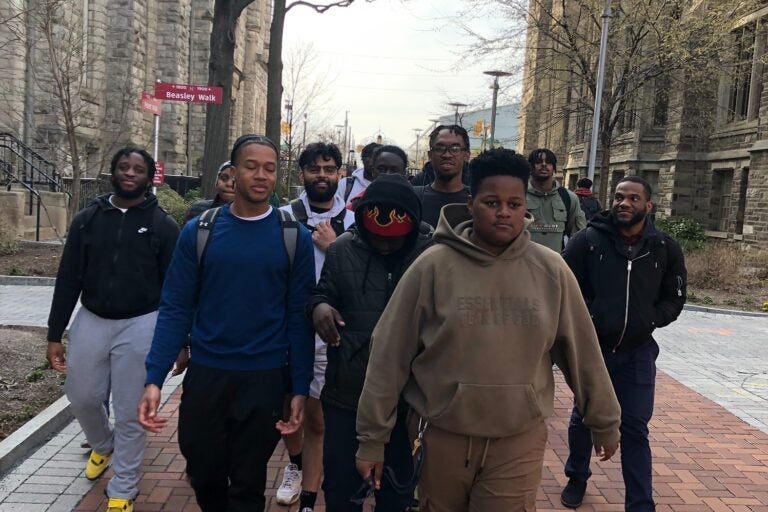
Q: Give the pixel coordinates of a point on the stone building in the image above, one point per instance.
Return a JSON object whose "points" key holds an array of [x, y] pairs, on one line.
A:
{"points": [[706, 155], [113, 50]]}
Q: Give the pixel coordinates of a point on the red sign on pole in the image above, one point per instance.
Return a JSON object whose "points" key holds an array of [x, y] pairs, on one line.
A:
{"points": [[150, 104], [159, 177], [188, 93]]}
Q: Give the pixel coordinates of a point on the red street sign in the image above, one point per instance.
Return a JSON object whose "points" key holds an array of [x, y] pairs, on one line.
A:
{"points": [[149, 104], [188, 93], [159, 177]]}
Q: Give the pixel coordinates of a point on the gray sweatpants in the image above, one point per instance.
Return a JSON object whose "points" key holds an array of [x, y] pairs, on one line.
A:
{"points": [[102, 355]]}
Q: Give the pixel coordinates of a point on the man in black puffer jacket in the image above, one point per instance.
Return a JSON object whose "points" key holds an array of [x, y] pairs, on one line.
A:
{"points": [[633, 279], [360, 273]]}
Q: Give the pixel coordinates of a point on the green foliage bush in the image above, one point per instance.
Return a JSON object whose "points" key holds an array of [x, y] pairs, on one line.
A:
{"points": [[172, 203], [9, 243], [193, 195], [688, 232]]}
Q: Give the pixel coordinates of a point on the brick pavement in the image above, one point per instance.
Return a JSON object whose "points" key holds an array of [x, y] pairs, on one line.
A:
{"points": [[706, 459]]}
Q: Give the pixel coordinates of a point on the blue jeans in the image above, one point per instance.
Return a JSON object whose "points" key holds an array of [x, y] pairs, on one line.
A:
{"points": [[341, 481], [633, 375]]}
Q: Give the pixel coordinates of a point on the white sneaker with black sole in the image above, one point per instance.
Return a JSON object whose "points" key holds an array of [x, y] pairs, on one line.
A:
{"points": [[290, 489]]}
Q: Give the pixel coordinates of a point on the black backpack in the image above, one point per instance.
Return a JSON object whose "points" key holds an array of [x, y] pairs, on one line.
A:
{"points": [[300, 213], [590, 206]]}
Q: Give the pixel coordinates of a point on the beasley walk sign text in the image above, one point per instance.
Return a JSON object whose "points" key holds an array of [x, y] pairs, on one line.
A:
{"points": [[188, 93]]}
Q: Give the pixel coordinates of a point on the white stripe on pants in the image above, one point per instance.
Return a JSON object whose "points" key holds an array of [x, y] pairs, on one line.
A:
{"points": [[104, 355]]}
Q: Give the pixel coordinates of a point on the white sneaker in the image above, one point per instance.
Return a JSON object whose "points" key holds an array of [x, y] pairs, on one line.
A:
{"points": [[289, 491]]}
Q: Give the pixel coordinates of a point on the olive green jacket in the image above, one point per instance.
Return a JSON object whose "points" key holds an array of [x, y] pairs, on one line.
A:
{"points": [[552, 225]]}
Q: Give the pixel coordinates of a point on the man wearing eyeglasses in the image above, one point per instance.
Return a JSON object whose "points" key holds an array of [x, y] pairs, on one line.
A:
{"points": [[448, 152], [326, 216]]}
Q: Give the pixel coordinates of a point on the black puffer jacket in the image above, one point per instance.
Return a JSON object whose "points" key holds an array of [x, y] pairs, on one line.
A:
{"points": [[629, 293], [358, 281]]}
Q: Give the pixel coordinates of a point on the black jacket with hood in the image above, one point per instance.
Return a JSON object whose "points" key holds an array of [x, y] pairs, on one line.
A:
{"points": [[117, 260], [358, 281], [629, 291]]}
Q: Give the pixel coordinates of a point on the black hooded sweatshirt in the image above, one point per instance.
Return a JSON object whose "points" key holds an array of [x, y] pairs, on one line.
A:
{"points": [[358, 281], [117, 260], [630, 291]]}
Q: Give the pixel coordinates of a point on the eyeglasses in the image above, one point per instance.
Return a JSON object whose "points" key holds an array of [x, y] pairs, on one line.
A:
{"points": [[454, 150], [326, 169]]}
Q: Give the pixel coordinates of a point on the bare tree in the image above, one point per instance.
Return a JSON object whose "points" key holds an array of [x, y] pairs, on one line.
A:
{"points": [[275, 63], [661, 46], [307, 89]]}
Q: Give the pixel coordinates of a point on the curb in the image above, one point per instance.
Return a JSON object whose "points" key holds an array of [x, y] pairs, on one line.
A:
{"points": [[27, 280], [17, 446], [718, 311]]}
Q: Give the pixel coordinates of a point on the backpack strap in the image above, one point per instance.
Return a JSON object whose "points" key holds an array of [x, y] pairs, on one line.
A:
{"points": [[348, 188], [566, 198], [337, 223], [205, 225], [299, 211], [290, 227]]}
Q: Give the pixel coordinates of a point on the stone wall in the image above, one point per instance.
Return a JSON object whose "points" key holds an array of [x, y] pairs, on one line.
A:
{"points": [[692, 153], [130, 44]]}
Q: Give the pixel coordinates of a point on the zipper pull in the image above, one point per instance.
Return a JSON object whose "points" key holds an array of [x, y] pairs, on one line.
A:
{"points": [[629, 265]]}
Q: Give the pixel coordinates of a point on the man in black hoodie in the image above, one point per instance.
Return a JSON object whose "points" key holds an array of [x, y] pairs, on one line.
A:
{"points": [[360, 273], [633, 279], [117, 252]]}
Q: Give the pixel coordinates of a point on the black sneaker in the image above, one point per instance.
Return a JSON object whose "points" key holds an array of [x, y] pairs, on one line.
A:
{"points": [[573, 494]]}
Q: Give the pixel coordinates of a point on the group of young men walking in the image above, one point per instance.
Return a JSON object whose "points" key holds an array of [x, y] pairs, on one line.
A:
{"points": [[391, 334]]}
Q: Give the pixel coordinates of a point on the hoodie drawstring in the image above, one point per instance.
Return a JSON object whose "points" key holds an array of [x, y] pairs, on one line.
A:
{"points": [[485, 454], [484, 457], [469, 452]]}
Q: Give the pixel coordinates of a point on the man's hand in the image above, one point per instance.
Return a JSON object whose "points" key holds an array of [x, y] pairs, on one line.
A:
{"points": [[323, 236], [605, 452], [370, 469], [325, 320], [181, 362], [55, 355], [297, 416], [148, 405]]}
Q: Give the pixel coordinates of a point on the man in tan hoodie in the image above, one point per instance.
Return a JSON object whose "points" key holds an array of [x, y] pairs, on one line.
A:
{"points": [[468, 339]]}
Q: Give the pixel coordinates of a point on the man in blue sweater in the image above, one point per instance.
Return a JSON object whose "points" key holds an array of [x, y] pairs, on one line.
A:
{"points": [[250, 342]]}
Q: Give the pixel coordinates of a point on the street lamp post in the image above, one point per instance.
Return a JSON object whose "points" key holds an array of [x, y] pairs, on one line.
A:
{"points": [[417, 131], [495, 75], [599, 91], [289, 112], [304, 136], [456, 105], [338, 133]]}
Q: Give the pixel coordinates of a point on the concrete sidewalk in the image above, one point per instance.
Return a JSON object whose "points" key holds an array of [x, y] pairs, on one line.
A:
{"points": [[709, 433]]}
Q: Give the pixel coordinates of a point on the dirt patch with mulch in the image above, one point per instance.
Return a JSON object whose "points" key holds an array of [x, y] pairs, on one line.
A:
{"points": [[27, 384], [32, 259]]}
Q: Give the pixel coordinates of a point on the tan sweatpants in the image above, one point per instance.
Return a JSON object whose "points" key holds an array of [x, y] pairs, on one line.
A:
{"points": [[501, 474]]}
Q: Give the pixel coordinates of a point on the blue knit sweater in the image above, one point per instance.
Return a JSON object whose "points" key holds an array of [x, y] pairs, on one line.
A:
{"points": [[248, 313]]}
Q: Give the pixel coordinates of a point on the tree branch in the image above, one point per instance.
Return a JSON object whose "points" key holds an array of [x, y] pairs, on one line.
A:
{"points": [[321, 8]]}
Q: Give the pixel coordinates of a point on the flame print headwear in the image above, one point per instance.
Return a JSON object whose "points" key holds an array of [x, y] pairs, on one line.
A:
{"points": [[387, 221]]}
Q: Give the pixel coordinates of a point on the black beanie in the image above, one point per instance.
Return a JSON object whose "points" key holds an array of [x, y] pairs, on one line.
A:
{"points": [[391, 190]]}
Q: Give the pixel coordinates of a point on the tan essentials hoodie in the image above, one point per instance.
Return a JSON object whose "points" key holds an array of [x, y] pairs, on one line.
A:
{"points": [[469, 339]]}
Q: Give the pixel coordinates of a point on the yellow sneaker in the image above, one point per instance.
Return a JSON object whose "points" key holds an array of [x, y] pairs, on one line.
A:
{"points": [[119, 505], [97, 465]]}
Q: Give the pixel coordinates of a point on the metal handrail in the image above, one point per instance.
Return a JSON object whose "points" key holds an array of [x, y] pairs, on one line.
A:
{"points": [[36, 163], [32, 192]]}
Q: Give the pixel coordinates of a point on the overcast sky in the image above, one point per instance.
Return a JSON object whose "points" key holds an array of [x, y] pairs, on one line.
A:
{"points": [[393, 64]]}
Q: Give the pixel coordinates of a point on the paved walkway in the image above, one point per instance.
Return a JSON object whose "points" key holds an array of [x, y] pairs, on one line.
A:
{"points": [[709, 433]]}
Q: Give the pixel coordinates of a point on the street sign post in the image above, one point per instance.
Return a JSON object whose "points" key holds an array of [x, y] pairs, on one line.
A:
{"points": [[159, 177], [150, 104], [188, 93]]}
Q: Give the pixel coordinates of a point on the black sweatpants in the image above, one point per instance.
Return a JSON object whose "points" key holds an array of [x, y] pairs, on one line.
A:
{"points": [[227, 434]]}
